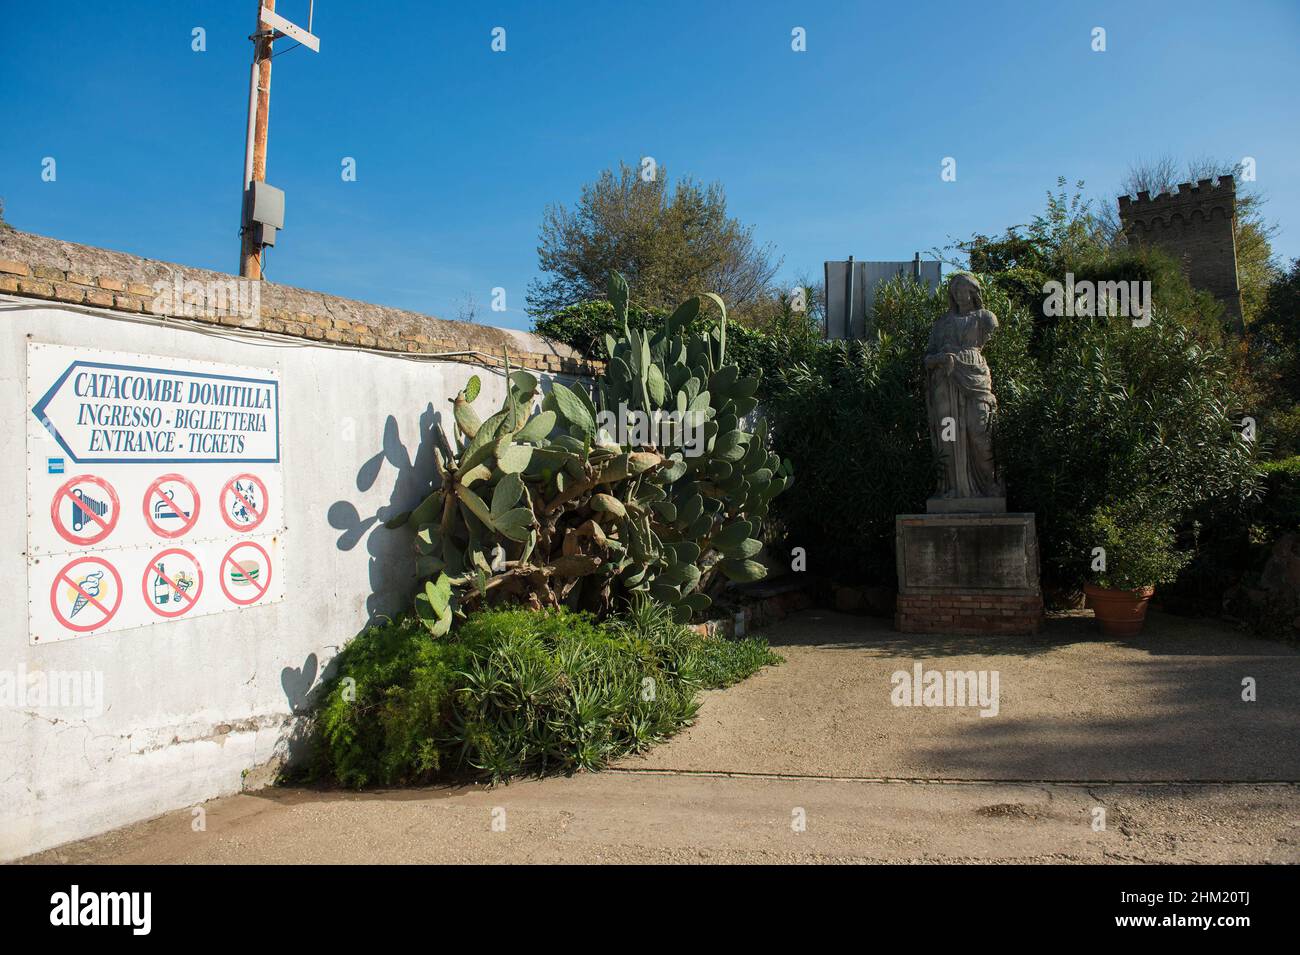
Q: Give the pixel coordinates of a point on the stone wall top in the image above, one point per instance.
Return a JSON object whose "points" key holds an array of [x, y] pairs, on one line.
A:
{"points": [[1205, 194], [39, 267]]}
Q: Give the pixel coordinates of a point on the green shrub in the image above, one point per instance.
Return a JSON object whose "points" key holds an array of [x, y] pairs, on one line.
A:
{"points": [[1279, 512], [1111, 415], [393, 688], [584, 325], [513, 692], [1139, 552]]}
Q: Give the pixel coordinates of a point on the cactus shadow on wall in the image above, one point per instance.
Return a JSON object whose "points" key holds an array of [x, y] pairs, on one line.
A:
{"points": [[392, 565]]}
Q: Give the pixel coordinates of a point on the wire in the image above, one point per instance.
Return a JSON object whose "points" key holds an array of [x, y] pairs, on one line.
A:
{"points": [[256, 336], [282, 52]]}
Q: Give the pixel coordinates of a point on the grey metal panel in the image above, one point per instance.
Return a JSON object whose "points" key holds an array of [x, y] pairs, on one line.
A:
{"points": [[843, 321], [268, 205]]}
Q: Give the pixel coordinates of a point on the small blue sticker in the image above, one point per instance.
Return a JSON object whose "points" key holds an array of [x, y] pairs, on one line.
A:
{"points": [[55, 465]]}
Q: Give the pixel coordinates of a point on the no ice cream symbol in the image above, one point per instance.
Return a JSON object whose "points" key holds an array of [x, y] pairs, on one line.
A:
{"points": [[85, 594], [243, 502]]}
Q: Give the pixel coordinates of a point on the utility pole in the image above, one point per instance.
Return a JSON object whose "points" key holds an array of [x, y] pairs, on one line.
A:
{"points": [[259, 110]]}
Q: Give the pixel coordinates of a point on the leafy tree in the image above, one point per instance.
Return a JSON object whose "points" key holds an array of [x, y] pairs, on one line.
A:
{"points": [[585, 325], [1274, 339], [800, 310], [1275, 334], [671, 240]]}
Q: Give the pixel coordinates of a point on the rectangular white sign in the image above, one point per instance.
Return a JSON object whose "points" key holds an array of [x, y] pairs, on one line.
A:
{"points": [[130, 456], [76, 595], [291, 30]]}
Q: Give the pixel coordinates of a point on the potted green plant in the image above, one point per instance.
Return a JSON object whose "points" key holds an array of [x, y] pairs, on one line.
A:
{"points": [[1130, 552]]}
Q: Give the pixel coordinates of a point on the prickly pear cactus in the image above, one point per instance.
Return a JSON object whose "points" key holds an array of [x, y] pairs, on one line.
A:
{"points": [[655, 485]]}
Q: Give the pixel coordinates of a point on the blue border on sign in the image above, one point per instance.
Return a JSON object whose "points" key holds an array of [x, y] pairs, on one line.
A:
{"points": [[39, 411]]}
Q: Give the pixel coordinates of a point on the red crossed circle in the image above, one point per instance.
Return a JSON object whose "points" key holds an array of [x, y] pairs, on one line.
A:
{"points": [[105, 525], [154, 495], [188, 600], [258, 515], [63, 577], [260, 591]]}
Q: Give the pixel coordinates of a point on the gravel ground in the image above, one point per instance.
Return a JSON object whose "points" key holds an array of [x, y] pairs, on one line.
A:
{"points": [[1137, 750]]}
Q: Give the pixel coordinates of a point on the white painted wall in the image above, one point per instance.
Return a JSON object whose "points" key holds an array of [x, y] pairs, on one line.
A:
{"points": [[190, 705]]}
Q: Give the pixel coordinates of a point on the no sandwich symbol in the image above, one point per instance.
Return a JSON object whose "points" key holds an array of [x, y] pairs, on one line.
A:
{"points": [[245, 573]]}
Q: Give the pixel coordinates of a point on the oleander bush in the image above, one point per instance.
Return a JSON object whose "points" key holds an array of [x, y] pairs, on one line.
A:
{"points": [[513, 692]]}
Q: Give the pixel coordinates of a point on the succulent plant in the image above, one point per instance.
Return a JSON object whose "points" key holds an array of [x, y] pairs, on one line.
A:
{"points": [[547, 506]]}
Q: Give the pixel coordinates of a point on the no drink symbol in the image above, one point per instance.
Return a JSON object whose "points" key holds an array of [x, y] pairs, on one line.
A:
{"points": [[85, 594], [172, 582], [243, 502]]}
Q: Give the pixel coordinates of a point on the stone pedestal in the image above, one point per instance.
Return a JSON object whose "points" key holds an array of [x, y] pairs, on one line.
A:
{"points": [[966, 505], [965, 573]]}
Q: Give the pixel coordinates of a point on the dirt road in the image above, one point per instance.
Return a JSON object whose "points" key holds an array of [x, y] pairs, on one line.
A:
{"points": [[1100, 751]]}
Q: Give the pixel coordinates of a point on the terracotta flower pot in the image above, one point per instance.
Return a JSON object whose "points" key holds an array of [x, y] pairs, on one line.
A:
{"points": [[1120, 612]]}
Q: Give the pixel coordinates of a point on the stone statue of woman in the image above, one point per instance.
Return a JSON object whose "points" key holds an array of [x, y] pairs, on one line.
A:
{"points": [[960, 402]]}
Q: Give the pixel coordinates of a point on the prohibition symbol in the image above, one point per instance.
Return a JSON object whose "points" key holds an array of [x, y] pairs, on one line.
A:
{"points": [[243, 502], [245, 580], [85, 510], [88, 589], [171, 506], [172, 582]]}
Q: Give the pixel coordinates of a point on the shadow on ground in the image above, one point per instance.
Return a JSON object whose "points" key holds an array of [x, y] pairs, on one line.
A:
{"points": [[1072, 705]]}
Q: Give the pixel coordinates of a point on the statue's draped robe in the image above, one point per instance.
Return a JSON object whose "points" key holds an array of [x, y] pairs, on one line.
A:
{"points": [[966, 396]]}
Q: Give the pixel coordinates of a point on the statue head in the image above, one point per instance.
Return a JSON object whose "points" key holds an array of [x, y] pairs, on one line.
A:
{"points": [[964, 295]]}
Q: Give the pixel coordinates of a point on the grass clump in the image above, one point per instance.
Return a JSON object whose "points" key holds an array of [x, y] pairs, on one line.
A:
{"points": [[516, 692]]}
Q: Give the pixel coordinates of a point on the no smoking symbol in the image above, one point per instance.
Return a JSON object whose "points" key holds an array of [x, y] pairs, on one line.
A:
{"points": [[172, 582], [243, 502], [85, 510], [171, 506]]}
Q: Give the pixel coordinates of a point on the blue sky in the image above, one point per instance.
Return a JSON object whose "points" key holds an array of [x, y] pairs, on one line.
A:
{"points": [[829, 152]]}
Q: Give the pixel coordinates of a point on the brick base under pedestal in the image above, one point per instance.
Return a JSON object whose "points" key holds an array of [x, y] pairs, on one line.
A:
{"points": [[968, 613]]}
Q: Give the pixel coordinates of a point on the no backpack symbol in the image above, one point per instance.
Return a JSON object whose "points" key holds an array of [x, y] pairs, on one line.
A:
{"points": [[85, 510], [172, 582], [85, 594], [171, 506], [243, 502], [245, 573]]}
